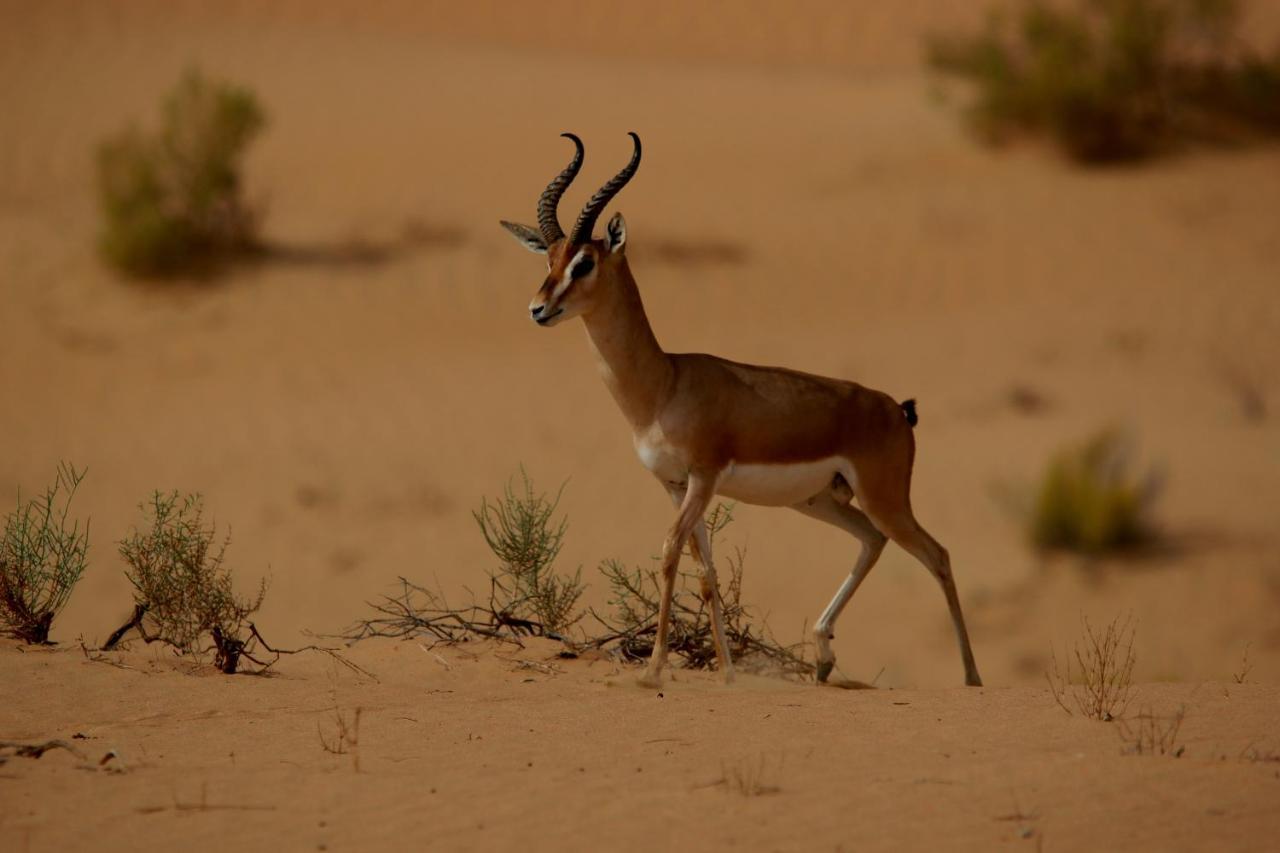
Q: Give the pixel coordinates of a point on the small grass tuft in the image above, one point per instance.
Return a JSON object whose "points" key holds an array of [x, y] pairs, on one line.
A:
{"points": [[346, 736], [1246, 667], [1115, 80], [1089, 502], [172, 201], [42, 556], [1150, 734], [748, 776]]}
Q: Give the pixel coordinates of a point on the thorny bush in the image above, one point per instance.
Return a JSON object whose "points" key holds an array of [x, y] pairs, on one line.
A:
{"points": [[42, 556], [182, 590]]}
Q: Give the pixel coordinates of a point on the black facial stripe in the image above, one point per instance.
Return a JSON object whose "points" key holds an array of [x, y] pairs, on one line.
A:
{"points": [[583, 267]]}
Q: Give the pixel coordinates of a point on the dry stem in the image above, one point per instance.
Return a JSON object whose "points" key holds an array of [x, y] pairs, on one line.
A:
{"points": [[1101, 685], [1153, 735]]}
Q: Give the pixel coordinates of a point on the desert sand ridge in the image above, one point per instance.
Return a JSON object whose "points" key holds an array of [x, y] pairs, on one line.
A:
{"points": [[344, 417], [468, 749], [343, 405]]}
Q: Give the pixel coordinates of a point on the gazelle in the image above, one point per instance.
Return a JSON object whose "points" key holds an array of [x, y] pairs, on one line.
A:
{"points": [[705, 426]]}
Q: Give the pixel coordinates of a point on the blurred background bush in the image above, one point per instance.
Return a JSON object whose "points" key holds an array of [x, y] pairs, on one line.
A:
{"points": [[172, 199], [1116, 79]]}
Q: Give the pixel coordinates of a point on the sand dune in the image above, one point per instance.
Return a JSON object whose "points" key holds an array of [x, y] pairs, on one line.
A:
{"points": [[805, 200], [482, 748]]}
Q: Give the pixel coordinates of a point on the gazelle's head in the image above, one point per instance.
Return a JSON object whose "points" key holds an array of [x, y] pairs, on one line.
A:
{"points": [[578, 267]]}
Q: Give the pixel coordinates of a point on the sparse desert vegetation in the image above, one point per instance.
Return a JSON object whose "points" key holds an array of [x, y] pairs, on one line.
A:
{"points": [[184, 594], [1112, 80], [172, 200], [42, 557], [1147, 733], [635, 594], [366, 370], [751, 775], [1089, 499], [1096, 674], [521, 530], [343, 737], [529, 597]]}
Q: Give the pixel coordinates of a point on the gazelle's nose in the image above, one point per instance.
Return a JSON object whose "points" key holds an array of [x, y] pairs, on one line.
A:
{"points": [[536, 310]]}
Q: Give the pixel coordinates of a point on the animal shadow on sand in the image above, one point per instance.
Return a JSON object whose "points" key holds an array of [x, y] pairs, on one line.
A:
{"points": [[360, 252], [693, 253]]}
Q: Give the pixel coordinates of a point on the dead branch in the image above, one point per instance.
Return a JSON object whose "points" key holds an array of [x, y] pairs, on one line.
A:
{"points": [[256, 637], [135, 621], [97, 657], [416, 611], [36, 750]]}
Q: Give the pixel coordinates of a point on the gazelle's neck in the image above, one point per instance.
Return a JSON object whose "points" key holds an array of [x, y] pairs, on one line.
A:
{"points": [[636, 370]]}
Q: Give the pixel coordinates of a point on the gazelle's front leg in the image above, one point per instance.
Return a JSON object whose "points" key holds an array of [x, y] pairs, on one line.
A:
{"points": [[697, 497], [709, 586]]}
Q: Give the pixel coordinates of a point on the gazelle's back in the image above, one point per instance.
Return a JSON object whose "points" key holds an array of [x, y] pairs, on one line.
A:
{"points": [[747, 414]]}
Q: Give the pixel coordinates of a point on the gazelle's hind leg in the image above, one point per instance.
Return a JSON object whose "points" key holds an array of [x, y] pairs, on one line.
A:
{"points": [[883, 493], [700, 545], [833, 507], [917, 541]]}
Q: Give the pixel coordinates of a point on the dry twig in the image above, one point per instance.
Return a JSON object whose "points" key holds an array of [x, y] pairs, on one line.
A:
{"points": [[346, 737], [37, 750], [1246, 667], [747, 776], [1153, 735], [1101, 682]]}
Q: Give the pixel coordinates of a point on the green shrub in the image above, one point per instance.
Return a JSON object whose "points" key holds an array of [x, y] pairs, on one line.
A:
{"points": [[636, 594], [528, 597], [1088, 501], [1115, 79], [41, 559], [171, 202], [520, 531], [182, 591]]}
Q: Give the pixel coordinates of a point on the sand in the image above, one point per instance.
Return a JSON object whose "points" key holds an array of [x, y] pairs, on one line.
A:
{"points": [[496, 748], [807, 198]]}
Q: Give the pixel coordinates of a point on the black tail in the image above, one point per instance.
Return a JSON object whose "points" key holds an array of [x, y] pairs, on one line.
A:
{"points": [[909, 409]]}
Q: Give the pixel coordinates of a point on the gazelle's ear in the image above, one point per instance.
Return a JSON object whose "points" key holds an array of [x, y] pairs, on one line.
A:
{"points": [[615, 234], [530, 238]]}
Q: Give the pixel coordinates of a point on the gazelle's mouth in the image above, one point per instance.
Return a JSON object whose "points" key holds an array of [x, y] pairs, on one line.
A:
{"points": [[547, 318]]}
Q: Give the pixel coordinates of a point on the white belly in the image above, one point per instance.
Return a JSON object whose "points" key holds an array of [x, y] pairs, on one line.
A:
{"points": [[760, 484], [780, 485]]}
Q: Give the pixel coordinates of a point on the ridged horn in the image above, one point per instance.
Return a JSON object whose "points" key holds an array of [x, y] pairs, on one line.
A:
{"points": [[550, 199], [597, 203]]}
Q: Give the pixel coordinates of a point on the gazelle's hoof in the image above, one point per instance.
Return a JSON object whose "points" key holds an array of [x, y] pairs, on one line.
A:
{"points": [[651, 680], [824, 670]]}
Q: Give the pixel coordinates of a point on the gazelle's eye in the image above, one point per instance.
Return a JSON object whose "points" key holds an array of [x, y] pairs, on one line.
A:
{"points": [[582, 267]]}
